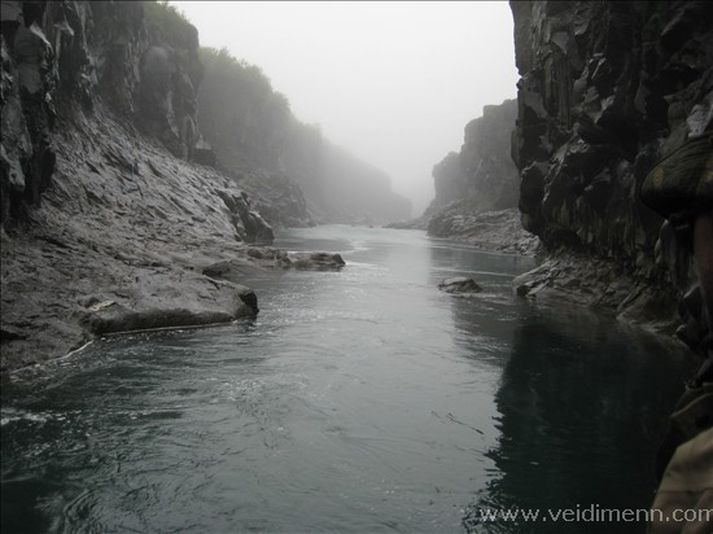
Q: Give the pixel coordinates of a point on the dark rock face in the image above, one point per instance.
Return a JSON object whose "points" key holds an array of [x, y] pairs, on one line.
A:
{"points": [[448, 180], [459, 285], [607, 89], [28, 158], [167, 100], [683, 181], [56, 54], [483, 171]]}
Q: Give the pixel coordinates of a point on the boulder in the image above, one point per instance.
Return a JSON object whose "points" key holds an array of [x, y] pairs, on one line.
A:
{"points": [[459, 285], [195, 301], [117, 318], [316, 261]]}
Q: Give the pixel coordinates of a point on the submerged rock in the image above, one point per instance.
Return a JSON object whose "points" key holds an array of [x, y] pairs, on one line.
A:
{"points": [[316, 261], [259, 259], [459, 285]]}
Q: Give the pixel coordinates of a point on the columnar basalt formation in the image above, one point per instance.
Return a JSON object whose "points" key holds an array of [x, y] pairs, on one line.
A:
{"points": [[608, 89]]}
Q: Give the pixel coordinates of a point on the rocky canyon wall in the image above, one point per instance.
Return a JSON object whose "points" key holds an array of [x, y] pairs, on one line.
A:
{"points": [[113, 210], [251, 126], [477, 188], [62, 57], [606, 90]]}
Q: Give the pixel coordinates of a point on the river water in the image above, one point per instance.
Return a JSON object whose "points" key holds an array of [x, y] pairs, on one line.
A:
{"points": [[358, 401]]}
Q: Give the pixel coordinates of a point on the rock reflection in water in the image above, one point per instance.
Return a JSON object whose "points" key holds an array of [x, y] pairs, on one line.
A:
{"points": [[582, 404]]}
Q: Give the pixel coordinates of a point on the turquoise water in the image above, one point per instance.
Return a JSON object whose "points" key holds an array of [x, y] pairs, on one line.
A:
{"points": [[358, 401]]}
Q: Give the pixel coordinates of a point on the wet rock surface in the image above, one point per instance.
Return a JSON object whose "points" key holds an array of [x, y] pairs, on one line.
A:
{"points": [[460, 285], [135, 240], [606, 91], [316, 261], [605, 285], [173, 303], [106, 224]]}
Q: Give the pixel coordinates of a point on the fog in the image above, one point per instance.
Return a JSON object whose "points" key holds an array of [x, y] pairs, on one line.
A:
{"points": [[392, 82]]}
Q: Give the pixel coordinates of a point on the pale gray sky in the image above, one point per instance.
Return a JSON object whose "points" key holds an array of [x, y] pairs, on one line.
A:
{"points": [[393, 82]]}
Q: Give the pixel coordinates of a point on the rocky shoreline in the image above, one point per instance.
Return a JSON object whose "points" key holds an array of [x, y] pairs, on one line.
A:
{"points": [[495, 231], [106, 226], [562, 274], [116, 248], [115, 211], [603, 285]]}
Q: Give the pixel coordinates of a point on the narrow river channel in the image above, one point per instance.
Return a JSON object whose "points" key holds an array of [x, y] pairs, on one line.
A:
{"points": [[358, 401]]}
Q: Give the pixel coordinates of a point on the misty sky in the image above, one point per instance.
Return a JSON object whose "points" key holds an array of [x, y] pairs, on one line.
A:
{"points": [[393, 82]]}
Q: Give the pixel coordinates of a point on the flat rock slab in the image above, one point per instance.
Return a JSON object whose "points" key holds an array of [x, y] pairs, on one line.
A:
{"points": [[460, 285], [267, 258], [118, 318], [155, 302]]}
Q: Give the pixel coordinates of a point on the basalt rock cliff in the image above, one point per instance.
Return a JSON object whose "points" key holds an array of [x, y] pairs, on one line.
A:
{"points": [[608, 89], [483, 171], [477, 188]]}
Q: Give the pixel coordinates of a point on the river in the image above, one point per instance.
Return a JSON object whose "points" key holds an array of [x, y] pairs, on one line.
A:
{"points": [[358, 401]]}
